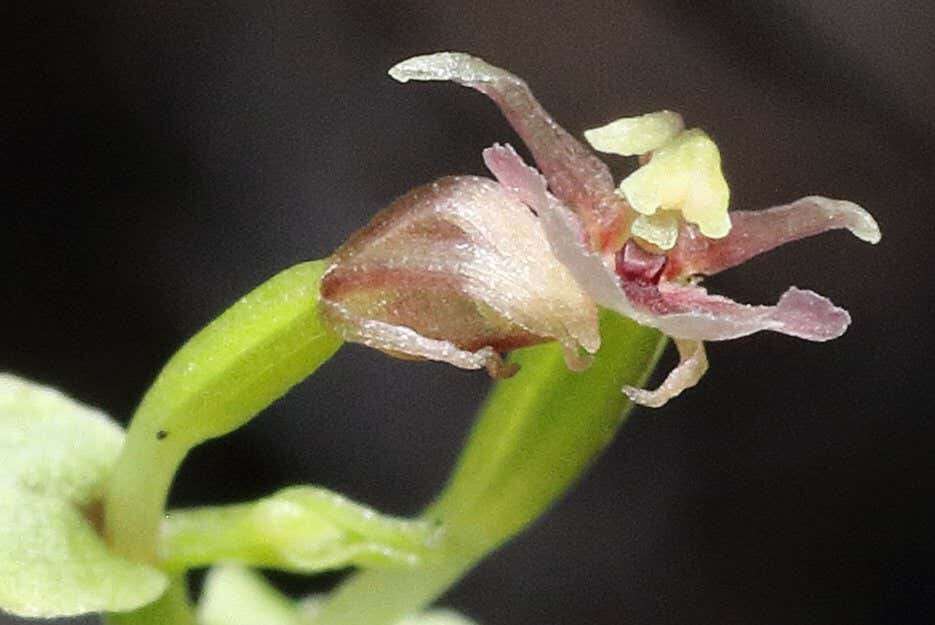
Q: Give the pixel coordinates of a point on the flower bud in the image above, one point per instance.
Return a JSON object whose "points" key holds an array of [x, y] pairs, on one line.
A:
{"points": [[458, 270]]}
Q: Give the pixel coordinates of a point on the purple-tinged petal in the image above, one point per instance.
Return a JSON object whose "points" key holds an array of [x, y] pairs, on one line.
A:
{"points": [[457, 271], [689, 312], [693, 363], [681, 311], [575, 174], [755, 232]]}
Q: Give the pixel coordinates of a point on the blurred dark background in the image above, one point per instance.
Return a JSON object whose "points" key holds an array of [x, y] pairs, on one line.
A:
{"points": [[162, 158]]}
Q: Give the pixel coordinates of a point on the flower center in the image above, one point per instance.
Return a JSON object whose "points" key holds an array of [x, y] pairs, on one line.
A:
{"points": [[679, 177], [634, 264]]}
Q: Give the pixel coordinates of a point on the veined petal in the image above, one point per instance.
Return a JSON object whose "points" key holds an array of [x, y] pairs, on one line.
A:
{"points": [[755, 232], [690, 312], [575, 175], [457, 271], [693, 363]]}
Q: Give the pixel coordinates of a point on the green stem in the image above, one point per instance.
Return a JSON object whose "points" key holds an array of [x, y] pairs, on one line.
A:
{"points": [[268, 341], [537, 433]]}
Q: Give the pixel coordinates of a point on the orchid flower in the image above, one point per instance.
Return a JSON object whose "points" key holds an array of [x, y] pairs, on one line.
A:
{"points": [[467, 267]]}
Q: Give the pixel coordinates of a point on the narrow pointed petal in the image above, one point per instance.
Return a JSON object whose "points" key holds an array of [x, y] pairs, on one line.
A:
{"points": [[575, 175], [681, 311], [689, 312], [693, 363], [755, 232], [457, 271], [406, 343]]}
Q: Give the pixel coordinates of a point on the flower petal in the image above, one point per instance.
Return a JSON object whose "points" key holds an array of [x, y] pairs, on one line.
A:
{"points": [[755, 232], [456, 271], [693, 363], [575, 174], [680, 311], [689, 312]]}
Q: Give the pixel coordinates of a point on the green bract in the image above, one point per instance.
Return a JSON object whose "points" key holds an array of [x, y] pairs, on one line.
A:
{"points": [[301, 529], [57, 455]]}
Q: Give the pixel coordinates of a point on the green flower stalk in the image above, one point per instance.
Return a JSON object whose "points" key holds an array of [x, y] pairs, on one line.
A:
{"points": [[248, 357]]}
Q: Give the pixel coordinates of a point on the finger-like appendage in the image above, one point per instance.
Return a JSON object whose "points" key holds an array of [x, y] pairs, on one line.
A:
{"points": [[693, 363], [406, 343], [575, 174]]}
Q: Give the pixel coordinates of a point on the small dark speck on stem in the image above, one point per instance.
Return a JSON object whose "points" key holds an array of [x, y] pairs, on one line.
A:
{"points": [[161, 434]]}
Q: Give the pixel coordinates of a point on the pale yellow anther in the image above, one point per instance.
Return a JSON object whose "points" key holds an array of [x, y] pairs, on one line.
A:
{"points": [[661, 229], [684, 175], [636, 135]]}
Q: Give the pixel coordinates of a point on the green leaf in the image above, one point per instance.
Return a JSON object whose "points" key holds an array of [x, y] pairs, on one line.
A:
{"points": [[57, 455], [53, 563], [235, 595], [53, 445], [301, 529]]}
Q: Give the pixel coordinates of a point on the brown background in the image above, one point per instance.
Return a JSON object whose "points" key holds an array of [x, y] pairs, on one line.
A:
{"points": [[162, 158]]}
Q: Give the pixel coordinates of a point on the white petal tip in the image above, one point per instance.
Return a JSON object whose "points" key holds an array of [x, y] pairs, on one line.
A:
{"points": [[855, 217], [642, 397], [398, 74], [693, 363], [870, 233], [424, 67], [456, 66], [862, 224]]}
